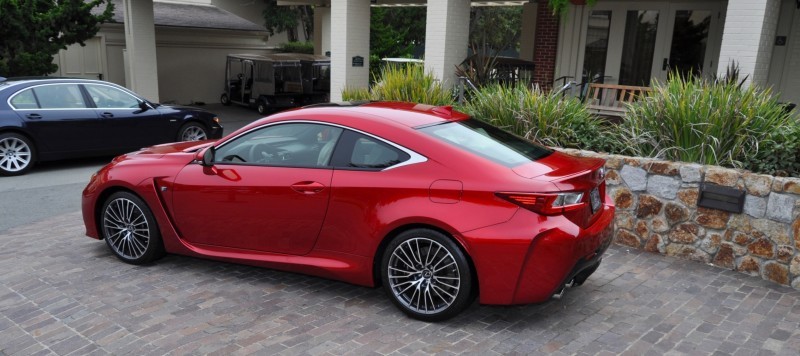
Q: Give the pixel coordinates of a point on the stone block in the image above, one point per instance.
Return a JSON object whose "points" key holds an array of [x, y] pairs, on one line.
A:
{"points": [[658, 224], [794, 266], [641, 230], [655, 244], [780, 207], [712, 218], [791, 185], [724, 257], [665, 168], [775, 231], [749, 265], [711, 243], [626, 238], [649, 206], [684, 233], [634, 177], [757, 184], [624, 220], [623, 198], [722, 176], [688, 196], [691, 173], [614, 162], [663, 187], [755, 206], [784, 254], [687, 252], [675, 213], [776, 272], [613, 178], [796, 232], [762, 248]]}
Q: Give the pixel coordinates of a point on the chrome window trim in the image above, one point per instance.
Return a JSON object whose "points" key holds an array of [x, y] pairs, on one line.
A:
{"points": [[414, 157], [114, 87], [8, 101]]}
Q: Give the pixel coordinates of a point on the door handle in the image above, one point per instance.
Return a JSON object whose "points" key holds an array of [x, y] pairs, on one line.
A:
{"points": [[665, 65], [106, 115], [34, 116], [308, 187]]}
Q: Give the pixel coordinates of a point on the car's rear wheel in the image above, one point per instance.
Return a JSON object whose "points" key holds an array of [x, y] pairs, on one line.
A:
{"points": [[17, 154], [426, 275], [130, 230], [224, 99], [262, 107], [192, 131]]}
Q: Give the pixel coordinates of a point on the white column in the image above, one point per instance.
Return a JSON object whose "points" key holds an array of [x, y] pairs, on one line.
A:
{"points": [[350, 20], [528, 31], [322, 30], [446, 37], [140, 41], [748, 38]]}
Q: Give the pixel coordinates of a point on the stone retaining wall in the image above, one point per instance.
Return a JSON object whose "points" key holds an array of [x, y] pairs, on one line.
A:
{"points": [[657, 211]]}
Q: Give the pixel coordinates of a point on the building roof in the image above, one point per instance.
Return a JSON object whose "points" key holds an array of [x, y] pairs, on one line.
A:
{"points": [[189, 15]]}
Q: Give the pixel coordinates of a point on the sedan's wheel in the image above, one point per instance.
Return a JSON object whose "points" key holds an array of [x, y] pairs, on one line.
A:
{"points": [[16, 154], [426, 275], [262, 107], [225, 100], [130, 230], [192, 132]]}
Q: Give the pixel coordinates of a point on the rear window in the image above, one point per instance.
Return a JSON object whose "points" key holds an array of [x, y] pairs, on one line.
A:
{"points": [[488, 141]]}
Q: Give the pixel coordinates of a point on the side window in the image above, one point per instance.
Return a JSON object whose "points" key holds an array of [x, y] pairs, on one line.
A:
{"points": [[289, 145], [25, 100], [60, 96], [372, 153], [111, 98]]}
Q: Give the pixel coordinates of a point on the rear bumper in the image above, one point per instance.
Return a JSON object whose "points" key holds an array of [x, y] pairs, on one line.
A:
{"points": [[528, 259]]}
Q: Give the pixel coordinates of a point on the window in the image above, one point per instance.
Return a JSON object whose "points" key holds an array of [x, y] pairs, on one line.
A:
{"points": [[111, 98], [25, 100], [60, 96], [290, 145], [488, 141], [369, 152]]}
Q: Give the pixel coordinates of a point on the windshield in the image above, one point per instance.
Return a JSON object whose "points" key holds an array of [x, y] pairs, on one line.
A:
{"points": [[488, 141]]}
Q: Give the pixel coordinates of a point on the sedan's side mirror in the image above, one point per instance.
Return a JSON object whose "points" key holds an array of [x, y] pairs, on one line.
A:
{"points": [[208, 157], [144, 106]]}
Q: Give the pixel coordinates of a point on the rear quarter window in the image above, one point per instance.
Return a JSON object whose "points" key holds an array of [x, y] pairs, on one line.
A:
{"points": [[487, 141]]}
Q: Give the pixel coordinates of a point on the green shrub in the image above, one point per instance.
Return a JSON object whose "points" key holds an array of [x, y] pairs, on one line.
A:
{"points": [[356, 94], [778, 154], [548, 118], [297, 47], [693, 120]]}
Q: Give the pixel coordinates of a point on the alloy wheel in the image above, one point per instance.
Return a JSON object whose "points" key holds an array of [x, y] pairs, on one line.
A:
{"points": [[15, 154], [193, 133], [424, 276], [126, 228]]}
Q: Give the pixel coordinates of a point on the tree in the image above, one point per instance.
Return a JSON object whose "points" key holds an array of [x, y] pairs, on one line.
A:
{"points": [[279, 19], [495, 28], [33, 31]]}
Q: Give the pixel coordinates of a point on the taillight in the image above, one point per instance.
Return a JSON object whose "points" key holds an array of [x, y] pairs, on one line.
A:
{"points": [[546, 203]]}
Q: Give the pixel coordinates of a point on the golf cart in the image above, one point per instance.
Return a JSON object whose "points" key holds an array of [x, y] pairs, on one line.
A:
{"points": [[279, 80]]}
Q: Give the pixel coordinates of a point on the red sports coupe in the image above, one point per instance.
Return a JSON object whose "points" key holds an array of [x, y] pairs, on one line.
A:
{"points": [[434, 205]]}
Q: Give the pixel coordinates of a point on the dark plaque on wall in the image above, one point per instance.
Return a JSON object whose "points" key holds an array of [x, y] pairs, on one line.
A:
{"points": [[358, 61]]}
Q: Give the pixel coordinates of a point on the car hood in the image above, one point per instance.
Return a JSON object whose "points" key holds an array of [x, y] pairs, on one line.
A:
{"points": [[184, 147]]}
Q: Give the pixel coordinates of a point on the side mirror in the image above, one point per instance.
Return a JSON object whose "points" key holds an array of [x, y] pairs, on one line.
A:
{"points": [[208, 157], [144, 106]]}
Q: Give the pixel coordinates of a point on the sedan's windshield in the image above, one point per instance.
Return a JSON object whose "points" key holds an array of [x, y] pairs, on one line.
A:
{"points": [[488, 141]]}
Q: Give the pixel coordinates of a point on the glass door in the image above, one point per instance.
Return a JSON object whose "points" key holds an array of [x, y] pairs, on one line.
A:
{"points": [[689, 48]]}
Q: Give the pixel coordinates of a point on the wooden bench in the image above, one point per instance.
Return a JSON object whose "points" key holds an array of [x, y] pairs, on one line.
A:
{"points": [[610, 99]]}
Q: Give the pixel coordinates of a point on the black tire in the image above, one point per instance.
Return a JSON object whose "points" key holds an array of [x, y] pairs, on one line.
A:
{"points": [[17, 154], [262, 107], [225, 100], [428, 262], [134, 236], [192, 131]]}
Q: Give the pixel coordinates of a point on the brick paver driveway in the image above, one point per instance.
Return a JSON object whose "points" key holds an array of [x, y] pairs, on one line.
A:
{"points": [[63, 293]]}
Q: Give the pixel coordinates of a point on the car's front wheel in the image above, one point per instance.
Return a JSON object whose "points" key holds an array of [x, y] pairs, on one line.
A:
{"points": [[17, 154], [224, 99], [426, 275], [262, 107], [192, 131], [130, 229]]}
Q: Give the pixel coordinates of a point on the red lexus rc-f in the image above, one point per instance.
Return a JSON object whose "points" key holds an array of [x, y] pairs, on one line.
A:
{"points": [[434, 205]]}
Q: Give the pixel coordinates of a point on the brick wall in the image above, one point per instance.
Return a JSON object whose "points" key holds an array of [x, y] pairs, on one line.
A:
{"points": [[545, 46]]}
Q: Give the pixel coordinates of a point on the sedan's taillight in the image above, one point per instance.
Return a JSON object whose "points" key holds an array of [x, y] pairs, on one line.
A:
{"points": [[546, 203]]}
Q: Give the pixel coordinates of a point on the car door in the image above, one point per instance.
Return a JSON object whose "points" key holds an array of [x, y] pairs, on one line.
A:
{"points": [[268, 190], [59, 118], [126, 123]]}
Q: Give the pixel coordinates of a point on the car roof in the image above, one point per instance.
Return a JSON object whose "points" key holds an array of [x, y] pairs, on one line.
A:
{"points": [[408, 114]]}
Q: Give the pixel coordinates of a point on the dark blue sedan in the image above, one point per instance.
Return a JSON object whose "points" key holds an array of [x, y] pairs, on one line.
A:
{"points": [[44, 119]]}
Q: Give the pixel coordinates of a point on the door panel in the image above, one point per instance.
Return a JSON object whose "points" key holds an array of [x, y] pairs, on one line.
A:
{"points": [[271, 209], [127, 126]]}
